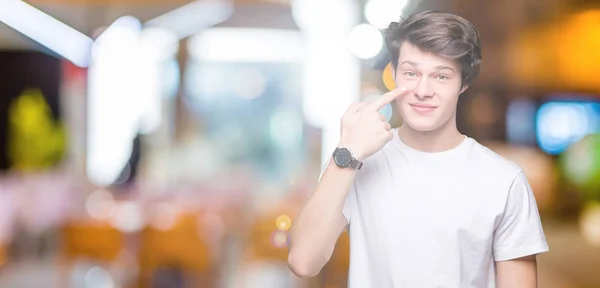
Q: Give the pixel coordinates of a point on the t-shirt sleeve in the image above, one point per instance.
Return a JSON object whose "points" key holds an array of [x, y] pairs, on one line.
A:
{"points": [[520, 231]]}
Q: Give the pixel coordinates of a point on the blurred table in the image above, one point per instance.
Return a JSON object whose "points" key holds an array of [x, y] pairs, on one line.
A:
{"points": [[571, 263]]}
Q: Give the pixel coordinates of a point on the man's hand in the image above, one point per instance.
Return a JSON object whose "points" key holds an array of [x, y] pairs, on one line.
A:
{"points": [[364, 130]]}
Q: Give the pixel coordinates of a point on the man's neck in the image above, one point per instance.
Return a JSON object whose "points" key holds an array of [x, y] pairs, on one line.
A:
{"points": [[442, 139]]}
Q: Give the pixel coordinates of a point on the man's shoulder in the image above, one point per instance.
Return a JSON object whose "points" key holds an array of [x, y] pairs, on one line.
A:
{"points": [[484, 158]]}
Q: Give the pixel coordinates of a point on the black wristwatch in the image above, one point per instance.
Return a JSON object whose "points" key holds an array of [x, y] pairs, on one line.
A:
{"points": [[343, 158]]}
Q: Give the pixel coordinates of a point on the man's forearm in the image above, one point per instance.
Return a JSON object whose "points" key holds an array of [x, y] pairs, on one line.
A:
{"points": [[317, 228]]}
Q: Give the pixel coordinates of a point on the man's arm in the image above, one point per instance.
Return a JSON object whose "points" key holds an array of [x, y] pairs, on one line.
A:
{"points": [[320, 223], [314, 233], [517, 273], [518, 238]]}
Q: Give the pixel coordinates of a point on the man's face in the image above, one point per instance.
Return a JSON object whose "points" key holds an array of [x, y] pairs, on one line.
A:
{"points": [[435, 83]]}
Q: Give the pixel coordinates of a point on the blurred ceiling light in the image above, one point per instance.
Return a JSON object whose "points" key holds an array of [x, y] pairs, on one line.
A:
{"points": [[159, 43], [46, 30], [121, 34], [381, 12], [247, 45], [156, 48], [189, 19], [331, 74], [365, 41], [319, 16], [115, 100]]}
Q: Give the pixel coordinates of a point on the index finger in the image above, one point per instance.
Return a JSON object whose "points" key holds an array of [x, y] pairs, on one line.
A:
{"points": [[387, 98]]}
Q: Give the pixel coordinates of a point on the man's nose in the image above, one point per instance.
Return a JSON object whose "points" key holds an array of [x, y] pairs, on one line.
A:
{"points": [[423, 89]]}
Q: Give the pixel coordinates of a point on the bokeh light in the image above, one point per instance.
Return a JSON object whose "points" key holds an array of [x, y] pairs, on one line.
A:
{"points": [[100, 205], [386, 111], [365, 41], [388, 77], [194, 141], [128, 217], [380, 13], [250, 83], [590, 223], [581, 165], [165, 216], [285, 127], [279, 239], [559, 124], [98, 277], [283, 222]]}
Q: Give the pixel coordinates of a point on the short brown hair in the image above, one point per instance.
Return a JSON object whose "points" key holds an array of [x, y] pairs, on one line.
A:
{"points": [[444, 34]]}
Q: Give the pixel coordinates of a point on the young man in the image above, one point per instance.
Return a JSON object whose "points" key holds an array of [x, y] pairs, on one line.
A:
{"points": [[425, 205]]}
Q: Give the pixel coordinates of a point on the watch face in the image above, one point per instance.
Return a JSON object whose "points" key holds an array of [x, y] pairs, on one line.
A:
{"points": [[342, 157]]}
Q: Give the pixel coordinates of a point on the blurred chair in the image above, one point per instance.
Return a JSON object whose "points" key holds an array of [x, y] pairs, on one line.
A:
{"points": [[266, 242], [3, 257], [266, 249], [92, 241], [268, 238], [180, 248]]}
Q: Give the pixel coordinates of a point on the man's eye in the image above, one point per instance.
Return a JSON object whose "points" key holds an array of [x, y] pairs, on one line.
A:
{"points": [[410, 74]]}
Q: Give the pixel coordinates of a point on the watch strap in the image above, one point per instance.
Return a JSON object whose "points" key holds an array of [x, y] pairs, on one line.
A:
{"points": [[355, 164]]}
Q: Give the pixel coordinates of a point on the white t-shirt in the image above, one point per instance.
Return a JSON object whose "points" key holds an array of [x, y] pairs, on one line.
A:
{"points": [[420, 220]]}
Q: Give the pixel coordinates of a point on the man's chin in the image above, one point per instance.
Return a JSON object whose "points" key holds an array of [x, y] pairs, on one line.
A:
{"points": [[422, 127]]}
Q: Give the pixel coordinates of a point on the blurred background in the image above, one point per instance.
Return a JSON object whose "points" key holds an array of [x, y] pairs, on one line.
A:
{"points": [[172, 143]]}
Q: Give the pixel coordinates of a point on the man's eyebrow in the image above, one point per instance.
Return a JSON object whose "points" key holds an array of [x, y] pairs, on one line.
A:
{"points": [[439, 67], [444, 67]]}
